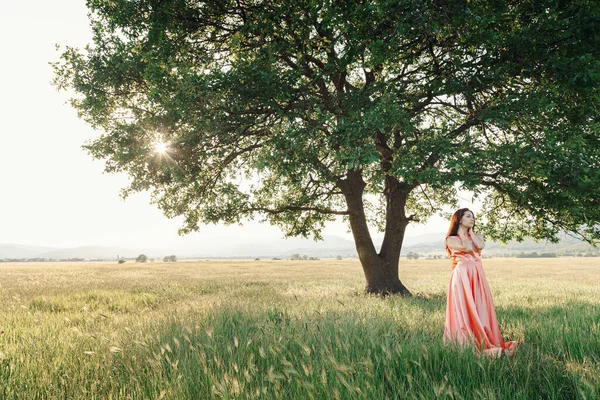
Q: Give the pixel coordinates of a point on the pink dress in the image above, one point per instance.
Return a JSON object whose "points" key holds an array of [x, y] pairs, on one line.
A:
{"points": [[470, 314]]}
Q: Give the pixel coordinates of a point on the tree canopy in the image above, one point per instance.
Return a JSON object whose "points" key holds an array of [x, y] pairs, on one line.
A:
{"points": [[294, 111]]}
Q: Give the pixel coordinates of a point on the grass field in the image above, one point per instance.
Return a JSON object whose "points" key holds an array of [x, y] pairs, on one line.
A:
{"points": [[289, 329]]}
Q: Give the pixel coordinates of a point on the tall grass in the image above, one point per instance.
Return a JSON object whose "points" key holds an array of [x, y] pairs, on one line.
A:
{"points": [[283, 329]]}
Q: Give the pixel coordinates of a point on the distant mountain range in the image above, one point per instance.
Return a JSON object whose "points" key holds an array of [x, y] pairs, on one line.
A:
{"points": [[331, 246], [566, 246], [20, 251]]}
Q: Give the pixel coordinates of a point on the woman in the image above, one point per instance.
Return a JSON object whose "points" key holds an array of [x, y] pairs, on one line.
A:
{"points": [[470, 315]]}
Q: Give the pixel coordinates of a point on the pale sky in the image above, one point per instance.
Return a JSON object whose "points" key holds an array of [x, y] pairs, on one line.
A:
{"points": [[53, 193]]}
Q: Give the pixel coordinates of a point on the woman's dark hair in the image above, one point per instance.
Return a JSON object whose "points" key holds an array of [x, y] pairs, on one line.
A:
{"points": [[455, 224]]}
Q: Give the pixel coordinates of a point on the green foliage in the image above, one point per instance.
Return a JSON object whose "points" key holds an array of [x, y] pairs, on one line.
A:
{"points": [[171, 258], [499, 98], [534, 254], [304, 257], [142, 258]]}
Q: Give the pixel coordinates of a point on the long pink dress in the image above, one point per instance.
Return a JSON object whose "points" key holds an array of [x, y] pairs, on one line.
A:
{"points": [[470, 315]]}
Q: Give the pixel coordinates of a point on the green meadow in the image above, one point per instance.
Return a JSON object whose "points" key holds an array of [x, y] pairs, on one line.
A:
{"points": [[289, 330]]}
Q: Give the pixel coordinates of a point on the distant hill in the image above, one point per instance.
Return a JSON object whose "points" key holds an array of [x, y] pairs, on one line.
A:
{"points": [[331, 246], [567, 246], [96, 253], [281, 248], [86, 252], [21, 251]]}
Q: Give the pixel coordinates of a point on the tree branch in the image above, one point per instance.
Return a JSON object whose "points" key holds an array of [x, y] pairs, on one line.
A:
{"points": [[296, 208]]}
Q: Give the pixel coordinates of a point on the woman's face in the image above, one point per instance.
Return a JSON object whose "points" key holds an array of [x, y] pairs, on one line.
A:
{"points": [[467, 220]]}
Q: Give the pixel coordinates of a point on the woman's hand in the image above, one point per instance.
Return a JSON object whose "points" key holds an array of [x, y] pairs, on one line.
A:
{"points": [[460, 243], [477, 239]]}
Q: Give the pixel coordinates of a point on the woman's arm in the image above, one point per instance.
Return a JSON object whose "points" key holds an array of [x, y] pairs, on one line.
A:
{"points": [[477, 239], [455, 243]]}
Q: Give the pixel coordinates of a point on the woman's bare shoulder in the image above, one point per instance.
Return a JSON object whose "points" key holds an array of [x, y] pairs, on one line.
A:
{"points": [[453, 239]]}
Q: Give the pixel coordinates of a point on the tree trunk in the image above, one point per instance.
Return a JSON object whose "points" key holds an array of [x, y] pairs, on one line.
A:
{"points": [[381, 270], [382, 278]]}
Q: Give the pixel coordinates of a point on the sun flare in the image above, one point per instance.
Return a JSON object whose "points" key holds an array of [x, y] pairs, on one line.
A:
{"points": [[160, 148]]}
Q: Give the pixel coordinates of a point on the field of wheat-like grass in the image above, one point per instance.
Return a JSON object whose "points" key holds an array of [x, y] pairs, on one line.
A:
{"points": [[289, 329]]}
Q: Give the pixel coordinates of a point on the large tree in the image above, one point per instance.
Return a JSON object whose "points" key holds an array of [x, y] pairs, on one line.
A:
{"points": [[376, 110]]}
